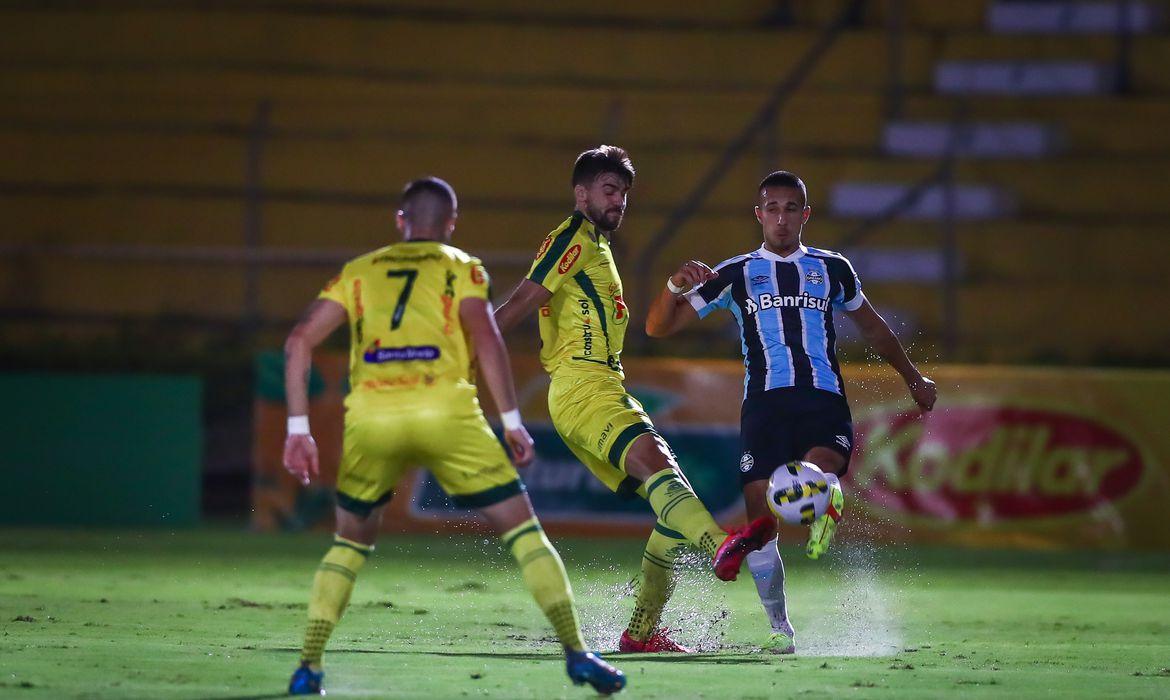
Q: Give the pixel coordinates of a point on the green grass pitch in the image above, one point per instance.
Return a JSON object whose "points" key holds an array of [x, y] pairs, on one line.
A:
{"points": [[218, 614]]}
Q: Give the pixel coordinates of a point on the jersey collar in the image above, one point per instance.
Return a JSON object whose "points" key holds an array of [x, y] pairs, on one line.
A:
{"points": [[795, 255], [589, 229]]}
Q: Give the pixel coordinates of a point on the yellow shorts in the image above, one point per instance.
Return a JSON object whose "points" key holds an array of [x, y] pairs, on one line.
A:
{"points": [[441, 430], [599, 421]]}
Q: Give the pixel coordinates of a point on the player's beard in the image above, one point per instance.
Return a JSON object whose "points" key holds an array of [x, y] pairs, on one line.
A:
{"points": [[607, 219], [784, 238]]}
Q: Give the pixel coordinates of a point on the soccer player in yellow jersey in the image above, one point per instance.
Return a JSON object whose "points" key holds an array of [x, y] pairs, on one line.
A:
{"points": [[418, 314], [583, 318]]}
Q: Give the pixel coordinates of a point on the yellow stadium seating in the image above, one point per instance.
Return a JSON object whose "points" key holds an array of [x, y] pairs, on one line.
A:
{"points": [[124, 126]]}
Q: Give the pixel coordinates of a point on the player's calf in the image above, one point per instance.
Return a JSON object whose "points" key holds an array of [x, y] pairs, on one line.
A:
{"points": [[669, 493], [767, 569], [332, 586]]}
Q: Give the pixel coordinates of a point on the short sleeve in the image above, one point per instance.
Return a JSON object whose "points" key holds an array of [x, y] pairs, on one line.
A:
{"points": [[560, 256], [712, 295], [474, 282], [334, 290], [848, 285]]}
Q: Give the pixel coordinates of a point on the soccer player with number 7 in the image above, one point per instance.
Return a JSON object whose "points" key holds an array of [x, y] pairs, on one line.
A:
{"points": [[418, 312]]}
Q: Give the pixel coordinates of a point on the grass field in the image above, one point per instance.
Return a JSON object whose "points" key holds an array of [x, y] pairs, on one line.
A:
{"points": [[218, 614]]}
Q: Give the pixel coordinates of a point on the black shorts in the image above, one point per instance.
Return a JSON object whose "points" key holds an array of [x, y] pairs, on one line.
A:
{"points": [[782, 425]]}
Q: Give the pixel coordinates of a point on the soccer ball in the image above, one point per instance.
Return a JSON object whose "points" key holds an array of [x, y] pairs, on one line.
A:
{"points": [[798, 493]]}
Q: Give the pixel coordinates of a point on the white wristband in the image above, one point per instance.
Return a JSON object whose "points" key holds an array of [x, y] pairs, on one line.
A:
{"points": [[674, 288], [511, 419], [298, 425]]}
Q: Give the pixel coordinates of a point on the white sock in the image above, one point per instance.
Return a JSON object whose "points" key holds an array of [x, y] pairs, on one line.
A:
{"points": [[768, 573]]}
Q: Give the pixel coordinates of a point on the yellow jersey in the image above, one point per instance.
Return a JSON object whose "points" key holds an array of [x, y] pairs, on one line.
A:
{"points": [[583, 325], [403, 308]]}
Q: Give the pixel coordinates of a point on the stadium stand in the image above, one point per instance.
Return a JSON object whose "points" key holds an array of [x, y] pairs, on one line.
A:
{"points": [[250, 146]]}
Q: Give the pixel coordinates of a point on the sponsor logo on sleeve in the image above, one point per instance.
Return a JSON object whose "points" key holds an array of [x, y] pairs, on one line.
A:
{"points": [[569, 258], [544, 246], [620, 312]]}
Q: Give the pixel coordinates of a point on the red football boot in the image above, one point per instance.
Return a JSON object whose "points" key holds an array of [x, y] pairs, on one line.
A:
{"points": [[739, 544], [658, 642]]}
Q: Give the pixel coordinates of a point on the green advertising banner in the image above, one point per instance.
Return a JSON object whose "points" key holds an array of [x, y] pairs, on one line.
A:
{"points": [[101, 450]]}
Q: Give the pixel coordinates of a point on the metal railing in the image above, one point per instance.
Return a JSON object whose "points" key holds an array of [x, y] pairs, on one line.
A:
{"points": [[763, 122], [942, 177], [762, 130]]}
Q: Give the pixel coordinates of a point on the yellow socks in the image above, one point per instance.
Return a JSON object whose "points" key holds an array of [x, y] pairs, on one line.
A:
{"points": [[657, 580], [331, 589], [544, 575], [679, 509]]}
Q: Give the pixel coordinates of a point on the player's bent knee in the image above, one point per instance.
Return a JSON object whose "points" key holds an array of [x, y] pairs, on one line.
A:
{"points": [[830, 461], [359, 527], [648, 455], [508, 513], [359, 508]]}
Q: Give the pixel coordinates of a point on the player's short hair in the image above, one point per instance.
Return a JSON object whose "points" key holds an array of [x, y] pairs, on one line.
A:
{"points": [[428, 202], [603, 159], [783, 178]]}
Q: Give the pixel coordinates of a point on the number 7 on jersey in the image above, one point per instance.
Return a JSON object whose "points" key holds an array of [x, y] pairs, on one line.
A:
{"points": [[409, 275]]}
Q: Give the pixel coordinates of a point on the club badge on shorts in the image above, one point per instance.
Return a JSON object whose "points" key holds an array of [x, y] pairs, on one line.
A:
{"points": [[746, 462]]}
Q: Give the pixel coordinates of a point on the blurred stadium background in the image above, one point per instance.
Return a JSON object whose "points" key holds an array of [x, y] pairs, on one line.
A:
{"points": [[178, 180]]}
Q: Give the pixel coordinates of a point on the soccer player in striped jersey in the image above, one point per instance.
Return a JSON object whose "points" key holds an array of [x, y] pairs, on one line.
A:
{"points": [[418, 313], [783, 296], [574, 284]]}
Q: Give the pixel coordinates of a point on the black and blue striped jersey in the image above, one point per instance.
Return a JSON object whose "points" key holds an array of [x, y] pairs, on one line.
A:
{"points": [[784, 307]]}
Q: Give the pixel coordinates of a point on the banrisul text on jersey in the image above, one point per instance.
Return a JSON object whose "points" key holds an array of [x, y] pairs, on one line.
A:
{"points": [[784, 306]]}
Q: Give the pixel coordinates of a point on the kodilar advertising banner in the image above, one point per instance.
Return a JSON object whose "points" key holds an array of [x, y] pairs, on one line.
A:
{"points": [[1009, 457]]}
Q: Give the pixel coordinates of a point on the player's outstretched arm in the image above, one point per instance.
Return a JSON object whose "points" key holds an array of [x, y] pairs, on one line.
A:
{"points": [[877, 332], [320, 319], [670, 312], [525, 300], [476, 315]]}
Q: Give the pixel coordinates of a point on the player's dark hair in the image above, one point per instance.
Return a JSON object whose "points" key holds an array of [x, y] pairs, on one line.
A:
{"points": [[603, 159], [783, 178], [428, 202]]}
